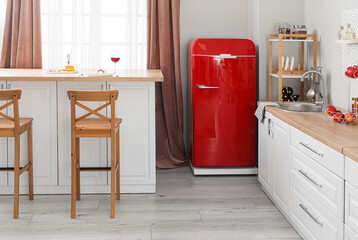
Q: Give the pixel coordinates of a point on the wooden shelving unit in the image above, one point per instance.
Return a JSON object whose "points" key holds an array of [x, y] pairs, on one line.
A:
{"points": [[279, 73]]}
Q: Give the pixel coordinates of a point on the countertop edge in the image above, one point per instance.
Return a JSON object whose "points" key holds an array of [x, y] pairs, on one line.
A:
{"points": [[352, 153], [81, 79]]}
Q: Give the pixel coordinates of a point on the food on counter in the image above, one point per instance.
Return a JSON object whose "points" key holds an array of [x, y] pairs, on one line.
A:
{"points": [[350, 118], [68, 68], [100, 71], [330, 110], [338, 117]]}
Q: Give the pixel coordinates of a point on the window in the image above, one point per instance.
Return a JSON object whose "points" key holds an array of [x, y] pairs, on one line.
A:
{"points": [[89, 30]]}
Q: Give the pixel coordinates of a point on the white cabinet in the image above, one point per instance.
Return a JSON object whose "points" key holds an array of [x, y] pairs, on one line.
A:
{"points": [[93, 151], [274, 160], [280, 155], [135, 105], [349, 234], [311, 218], [264, 161], [3, 147], [318, 181], [351, 213], [38, 101]]}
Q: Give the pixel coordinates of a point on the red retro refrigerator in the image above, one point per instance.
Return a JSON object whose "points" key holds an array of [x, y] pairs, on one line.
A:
{"points": [[222, 102]]}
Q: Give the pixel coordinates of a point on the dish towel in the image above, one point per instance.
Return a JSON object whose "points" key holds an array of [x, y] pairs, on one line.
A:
{"points": [[260, 110]]}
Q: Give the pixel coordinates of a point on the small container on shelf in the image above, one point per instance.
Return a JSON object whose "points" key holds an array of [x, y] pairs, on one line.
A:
{"points": [[350, 35], [299, 29], [284, 28], [341, 34]]}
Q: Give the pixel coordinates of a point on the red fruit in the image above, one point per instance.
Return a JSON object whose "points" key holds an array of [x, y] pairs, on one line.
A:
{"points": [[330, 110], [349, 117], [338, 117]]}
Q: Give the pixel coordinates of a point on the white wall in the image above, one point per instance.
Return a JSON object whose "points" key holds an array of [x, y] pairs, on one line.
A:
{"points": [[265, 17], [324, 17], [209, 19]]}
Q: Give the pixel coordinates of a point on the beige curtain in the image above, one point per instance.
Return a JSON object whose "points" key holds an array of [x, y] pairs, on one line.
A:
{"points": [[22, 35], [164, 54]]}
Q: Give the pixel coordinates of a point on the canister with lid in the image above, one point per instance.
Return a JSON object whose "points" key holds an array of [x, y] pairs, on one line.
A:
{"points": [[299, 29]]}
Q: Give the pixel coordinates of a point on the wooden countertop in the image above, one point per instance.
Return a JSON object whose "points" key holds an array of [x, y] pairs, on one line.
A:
{"points": [[143, 75], [351, 153], [319, 126]]}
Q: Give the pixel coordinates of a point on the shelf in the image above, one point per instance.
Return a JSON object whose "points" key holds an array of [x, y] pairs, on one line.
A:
{"points": [[297, 76], [291, 40], [353, 41]]}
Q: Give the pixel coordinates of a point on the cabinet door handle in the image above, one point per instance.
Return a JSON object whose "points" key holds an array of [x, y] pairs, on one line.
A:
{"points": [[102, 87], [309, 178], [269, 126], [2, 86], [109, 87], [311, 215], [311, 149], [9, 86]]}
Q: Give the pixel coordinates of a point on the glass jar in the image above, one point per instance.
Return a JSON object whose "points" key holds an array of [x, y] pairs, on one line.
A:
{"points": [[341, 34], [284, 28], [299, 29], [350, 35]]}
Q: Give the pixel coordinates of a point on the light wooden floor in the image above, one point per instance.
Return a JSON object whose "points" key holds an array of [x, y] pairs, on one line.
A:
{"points": [[184, 207]]}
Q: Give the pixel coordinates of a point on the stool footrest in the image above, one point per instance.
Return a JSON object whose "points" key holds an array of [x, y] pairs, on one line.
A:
{"points": [[89, 169], [21, 169]]}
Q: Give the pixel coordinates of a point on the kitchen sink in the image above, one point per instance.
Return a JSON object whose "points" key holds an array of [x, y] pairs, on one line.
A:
{"points": [[300, 107]]}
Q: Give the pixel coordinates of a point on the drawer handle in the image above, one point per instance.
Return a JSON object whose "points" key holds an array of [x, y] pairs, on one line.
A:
{"points": [[309, 178], [308, 147], [311, 215]]}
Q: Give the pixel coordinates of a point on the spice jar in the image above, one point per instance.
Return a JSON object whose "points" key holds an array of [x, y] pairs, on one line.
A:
{"points": [[284, 28], [350, 35], [341, 34], [299, 29]]}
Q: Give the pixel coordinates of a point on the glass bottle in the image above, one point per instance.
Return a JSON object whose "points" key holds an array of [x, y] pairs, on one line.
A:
{"points": [[350, 35], [341, 34]]}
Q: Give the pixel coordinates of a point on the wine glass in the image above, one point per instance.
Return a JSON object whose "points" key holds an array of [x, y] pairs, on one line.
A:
{"points": [[115, 58]]}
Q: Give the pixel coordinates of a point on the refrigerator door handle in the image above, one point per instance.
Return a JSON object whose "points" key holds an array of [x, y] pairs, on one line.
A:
{"points": [[205, 87], [224, 56]]}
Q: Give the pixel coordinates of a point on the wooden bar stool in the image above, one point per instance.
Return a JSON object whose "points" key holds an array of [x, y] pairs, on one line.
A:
{"points": [[84, 127], [14, 127]]}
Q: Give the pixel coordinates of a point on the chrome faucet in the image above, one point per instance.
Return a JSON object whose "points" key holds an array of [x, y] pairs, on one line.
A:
{"points": [[321, 95]]}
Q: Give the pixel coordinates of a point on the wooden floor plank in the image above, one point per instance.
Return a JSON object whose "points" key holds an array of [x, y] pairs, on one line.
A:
{"points": [[184, 207]]}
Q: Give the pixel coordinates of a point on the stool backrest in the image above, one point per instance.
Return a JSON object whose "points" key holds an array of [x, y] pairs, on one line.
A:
{"points": [[109, 96], [12, 96]]}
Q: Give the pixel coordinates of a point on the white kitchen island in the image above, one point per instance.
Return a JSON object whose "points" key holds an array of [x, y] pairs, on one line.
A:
{"points": [[44, 98]]}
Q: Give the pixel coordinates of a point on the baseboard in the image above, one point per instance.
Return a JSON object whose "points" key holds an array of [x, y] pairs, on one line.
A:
{"points": [[197, 171]]}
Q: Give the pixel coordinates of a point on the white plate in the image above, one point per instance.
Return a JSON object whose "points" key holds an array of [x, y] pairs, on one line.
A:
{"points": [[94, 74]]}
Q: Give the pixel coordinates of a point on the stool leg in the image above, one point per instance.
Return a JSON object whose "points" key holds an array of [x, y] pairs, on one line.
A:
{"points": [[16, 175], [113, 173], [118, 164], [73, 176], [30, 160], [78, 191]]}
